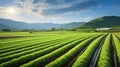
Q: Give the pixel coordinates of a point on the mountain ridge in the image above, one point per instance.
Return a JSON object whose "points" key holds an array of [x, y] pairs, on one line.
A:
{"points": [[17, 25], [102, 22]]}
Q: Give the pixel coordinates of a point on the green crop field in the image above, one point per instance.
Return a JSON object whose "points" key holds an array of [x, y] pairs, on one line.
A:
{"points": [[59, 49]]}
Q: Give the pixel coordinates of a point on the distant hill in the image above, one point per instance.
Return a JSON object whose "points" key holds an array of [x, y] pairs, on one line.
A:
{"points": [[17, 25], [103, 22]]}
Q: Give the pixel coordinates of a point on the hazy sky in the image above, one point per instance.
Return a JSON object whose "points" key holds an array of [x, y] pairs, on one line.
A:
{"points": [[57, 11]]}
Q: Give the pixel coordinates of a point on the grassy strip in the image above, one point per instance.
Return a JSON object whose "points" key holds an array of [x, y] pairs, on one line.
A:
{"points": [[31, 56], [17, 39], [16, 42], [61, 61], [10, 57], [118, 34], [32, 47], [117, 47], [20, 43], [28, 44], [41, 61], [84, 59], [104, 58]]}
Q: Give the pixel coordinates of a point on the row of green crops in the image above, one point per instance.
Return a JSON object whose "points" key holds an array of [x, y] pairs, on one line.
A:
{"points": [[6, 42], [10, 40], [41, 61], [104, 58], [25, 44], [23, 41], [118, 34], [26, 58], [16, 41], [61, 61], [117, 47], [57, 41], [84, 59], [9, 57], [60, 50]]}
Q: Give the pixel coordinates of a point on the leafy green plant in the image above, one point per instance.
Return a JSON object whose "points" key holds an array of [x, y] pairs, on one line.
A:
{"points": [[104, 58], [117, 47], [84, 59], [59, 62]]}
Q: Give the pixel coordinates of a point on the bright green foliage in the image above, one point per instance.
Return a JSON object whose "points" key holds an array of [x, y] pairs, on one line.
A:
{"points": [[5, 43], [103, 22], [34, 47], [55, 49], [117, 47], [59, 62], [40, 47], [31, 56], [104, 58], [84, 59], [24, 44], [41, 61]]}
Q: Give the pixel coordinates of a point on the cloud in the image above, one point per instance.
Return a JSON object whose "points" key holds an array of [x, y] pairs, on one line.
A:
{"points": [[53, 7], [76, 7], [55, 2], [45, 8], [52, 10]]}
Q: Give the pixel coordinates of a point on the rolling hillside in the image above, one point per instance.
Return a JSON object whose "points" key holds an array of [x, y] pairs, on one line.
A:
{"points": [[103, 22], [17, 25]]}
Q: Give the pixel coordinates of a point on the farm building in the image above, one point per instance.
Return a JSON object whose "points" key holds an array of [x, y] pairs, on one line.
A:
{"points": [[103, 29], [107, 29]]}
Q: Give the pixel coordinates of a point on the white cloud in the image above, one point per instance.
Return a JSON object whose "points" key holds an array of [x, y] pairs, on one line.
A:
{"points": [[33, 12], [27, 14]]}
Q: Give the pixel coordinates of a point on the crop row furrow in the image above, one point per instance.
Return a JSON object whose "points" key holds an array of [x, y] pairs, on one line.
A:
{"points": [[41, 61], [37, 45], [84, 59], [94, 59], [32, 56], [28, 44], [113, 53], [9, 57], [64, 59], [17, 39], [117, 48], [105, 56], [15, 43]]}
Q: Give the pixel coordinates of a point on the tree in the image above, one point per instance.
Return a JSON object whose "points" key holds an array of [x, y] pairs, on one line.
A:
{"points": [[26, 30], [74, 29], [53, 29], [30, 32], [6, 30]]}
